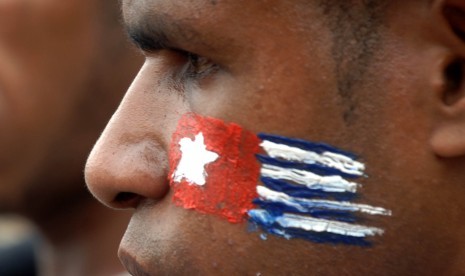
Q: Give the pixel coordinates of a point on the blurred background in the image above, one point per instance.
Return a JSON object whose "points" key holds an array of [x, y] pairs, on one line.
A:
{"points": [[18, 240], [64, 68], [14, 229]]}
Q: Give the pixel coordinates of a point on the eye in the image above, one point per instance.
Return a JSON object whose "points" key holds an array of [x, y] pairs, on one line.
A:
{"points": [[198, 67]]}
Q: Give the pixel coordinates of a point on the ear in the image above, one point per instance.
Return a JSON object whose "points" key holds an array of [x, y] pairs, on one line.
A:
{"points": [[448, 137]]}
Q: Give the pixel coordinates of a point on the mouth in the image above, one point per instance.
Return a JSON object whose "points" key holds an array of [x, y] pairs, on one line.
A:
{"points": [[131, 265]]}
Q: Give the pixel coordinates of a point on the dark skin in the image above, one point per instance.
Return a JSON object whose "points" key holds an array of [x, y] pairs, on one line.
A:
{"points": [[284, 67]]}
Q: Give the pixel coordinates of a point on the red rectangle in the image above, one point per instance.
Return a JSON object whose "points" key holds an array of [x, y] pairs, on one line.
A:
{"points": [[230, 180]]}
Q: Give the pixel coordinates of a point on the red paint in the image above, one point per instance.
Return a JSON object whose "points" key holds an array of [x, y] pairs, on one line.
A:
{"points": [[231, 179]]}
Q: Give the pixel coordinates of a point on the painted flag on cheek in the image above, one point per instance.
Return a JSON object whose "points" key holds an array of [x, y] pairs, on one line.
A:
{"points": [[213, 167], [307, 189]]}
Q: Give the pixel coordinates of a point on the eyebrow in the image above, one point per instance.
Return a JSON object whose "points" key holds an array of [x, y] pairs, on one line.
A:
{"points": [[147, 38], [157, 33]]}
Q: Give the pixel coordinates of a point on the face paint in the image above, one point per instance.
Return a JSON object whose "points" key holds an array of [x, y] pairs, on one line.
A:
{"points": [[214, 169], [307, 193], [308, 187]]}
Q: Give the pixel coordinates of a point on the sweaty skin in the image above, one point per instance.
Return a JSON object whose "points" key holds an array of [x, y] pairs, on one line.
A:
{"points": [[382, 80]]}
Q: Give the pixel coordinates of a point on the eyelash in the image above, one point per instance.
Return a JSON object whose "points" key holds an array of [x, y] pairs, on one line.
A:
{"points": [[198, 67]]}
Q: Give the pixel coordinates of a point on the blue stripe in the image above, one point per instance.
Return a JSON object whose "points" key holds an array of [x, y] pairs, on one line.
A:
{"points": [[269, 225], [303, 144], [278, 208], [303, 191], [318, 205], [318, 237], [320, 170]]}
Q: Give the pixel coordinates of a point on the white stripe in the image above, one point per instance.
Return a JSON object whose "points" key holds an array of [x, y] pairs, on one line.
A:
{"points": [[333, 183], [329, 159], [273, 196], [323, 225]]}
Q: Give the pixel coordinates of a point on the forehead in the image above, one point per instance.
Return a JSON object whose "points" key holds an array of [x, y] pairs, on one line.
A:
{"points": [[234, 15], [231, 31], [211, 9]]}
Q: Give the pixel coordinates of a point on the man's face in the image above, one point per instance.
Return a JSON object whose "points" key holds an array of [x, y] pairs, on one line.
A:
{"points": [[296, 69], [54, 61]]}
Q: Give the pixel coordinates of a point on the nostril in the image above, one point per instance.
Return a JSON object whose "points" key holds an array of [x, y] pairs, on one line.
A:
{"points": [[126, 200], [121, 174]]}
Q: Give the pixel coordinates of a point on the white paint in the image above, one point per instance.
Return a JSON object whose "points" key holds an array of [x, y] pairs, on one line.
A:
{"points": [[323, 225], [273, 196], [194, 158], [329, 159], [333, 183]]}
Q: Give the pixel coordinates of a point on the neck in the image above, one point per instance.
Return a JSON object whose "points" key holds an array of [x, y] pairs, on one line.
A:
{"points": [[80, 242]]}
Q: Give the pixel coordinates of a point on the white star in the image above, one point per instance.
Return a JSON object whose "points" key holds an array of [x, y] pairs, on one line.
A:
{"points": [[194, 158]]}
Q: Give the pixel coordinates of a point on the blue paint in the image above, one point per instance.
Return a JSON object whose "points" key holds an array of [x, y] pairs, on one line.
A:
{"points": [[320, 237], [303, 191], [252, 226], [309, 205], [278, 208], [267, 222], [303, 144], [320, 170], [309, 202]]}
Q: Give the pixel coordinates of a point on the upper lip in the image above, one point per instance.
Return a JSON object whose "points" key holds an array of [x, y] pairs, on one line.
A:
{"points": [[131, 264]]}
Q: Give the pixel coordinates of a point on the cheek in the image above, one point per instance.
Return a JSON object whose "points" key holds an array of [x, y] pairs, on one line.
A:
{"points": [[213, 167], [309, 189]]}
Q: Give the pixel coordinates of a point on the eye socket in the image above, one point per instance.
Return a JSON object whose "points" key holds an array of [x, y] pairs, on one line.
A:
{"points": [[198, 67]]}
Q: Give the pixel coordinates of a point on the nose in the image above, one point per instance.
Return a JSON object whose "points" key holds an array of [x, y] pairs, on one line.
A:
{"points": [[122, 170], [129, 162]]}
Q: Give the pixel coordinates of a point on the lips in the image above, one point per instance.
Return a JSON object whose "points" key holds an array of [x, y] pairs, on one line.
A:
{"points": [[155, 240], [131, 265], [136, 250]]}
